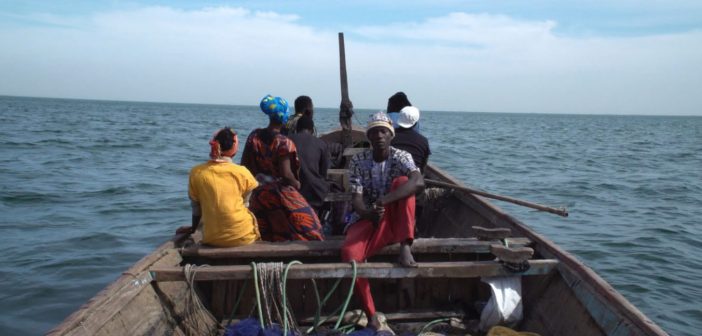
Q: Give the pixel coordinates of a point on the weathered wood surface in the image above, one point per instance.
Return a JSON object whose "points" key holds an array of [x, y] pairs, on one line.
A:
{"points": [[381, 270], [115, 304], [560, 211], [333, 247], [353, 151], [632, 320], [399, 316], [338, 197], [339, 175], [484, 233]]}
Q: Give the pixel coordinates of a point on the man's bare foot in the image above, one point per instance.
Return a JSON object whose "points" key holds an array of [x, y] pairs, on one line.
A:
{"points": [[406, 259], [375, 322], [380, 323]]}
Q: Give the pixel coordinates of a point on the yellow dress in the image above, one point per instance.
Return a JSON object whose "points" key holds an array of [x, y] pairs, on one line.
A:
{"points": [[220, 189]]}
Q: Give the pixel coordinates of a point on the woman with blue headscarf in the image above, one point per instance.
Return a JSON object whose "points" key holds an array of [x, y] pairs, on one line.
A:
{"points": [[281, 211]]}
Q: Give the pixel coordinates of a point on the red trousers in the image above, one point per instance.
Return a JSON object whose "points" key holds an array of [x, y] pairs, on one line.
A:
{"points": [[363, 239]]}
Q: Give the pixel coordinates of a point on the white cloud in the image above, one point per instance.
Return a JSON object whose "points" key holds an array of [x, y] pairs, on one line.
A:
{"points": [[461, 61]]}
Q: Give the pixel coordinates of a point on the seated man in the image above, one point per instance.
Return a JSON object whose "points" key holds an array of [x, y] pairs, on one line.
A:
{"points": [[314, 163], [409, 140], [383, 181], [218, 190]]}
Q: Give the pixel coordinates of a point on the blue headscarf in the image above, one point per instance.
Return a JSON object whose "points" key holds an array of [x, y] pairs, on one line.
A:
{"points": [[275, 108]]}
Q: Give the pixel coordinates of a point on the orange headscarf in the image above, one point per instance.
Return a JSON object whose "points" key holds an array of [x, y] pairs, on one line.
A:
{"points": [[216, 153]]}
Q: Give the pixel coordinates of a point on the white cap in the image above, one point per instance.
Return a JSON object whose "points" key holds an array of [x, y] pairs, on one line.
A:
{"points": [[409, 115]]}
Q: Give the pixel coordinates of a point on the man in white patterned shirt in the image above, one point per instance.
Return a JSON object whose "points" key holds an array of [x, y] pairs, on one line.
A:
{"points": [[383, 181]]}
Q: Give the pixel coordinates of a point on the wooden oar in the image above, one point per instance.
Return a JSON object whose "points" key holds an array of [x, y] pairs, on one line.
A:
{"points": [[560, 211]]}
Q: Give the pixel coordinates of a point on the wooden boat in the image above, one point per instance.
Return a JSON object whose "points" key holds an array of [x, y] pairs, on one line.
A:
{"points": [[560, 295]]}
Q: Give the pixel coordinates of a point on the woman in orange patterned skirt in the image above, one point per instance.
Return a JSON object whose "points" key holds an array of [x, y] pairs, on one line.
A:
{"points": [[281, 211]]}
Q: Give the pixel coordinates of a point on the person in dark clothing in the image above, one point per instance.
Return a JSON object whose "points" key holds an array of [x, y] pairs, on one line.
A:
{"points": [[409, 140], [314, 162], [396, 103], [303, 107]]}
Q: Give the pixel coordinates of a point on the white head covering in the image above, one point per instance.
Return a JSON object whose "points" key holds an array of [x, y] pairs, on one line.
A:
{"points": [[409, 115]]}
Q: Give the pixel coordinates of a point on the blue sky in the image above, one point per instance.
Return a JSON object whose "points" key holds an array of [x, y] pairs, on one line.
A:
{"points": [[613, 57]]}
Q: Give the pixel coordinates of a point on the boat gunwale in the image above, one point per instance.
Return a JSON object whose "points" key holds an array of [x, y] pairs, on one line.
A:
{"points": [[569, 266], [569, 263], [87, 309]]}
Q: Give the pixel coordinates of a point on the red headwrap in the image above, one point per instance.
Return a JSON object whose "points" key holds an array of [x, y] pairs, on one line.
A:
{"points": [[216, 153]]}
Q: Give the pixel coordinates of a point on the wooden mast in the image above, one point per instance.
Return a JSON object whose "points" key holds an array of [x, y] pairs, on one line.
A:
{"points": [[346, 108]]}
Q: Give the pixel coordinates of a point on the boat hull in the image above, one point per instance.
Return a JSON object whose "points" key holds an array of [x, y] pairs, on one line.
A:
{"points": [[561, 295]]}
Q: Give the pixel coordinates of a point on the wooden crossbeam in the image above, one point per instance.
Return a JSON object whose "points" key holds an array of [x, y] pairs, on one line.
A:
{"points": [[353, 151], [453, 269], [339, 175], [332, 248], [399, 316], [337, 171], [338, 197]]}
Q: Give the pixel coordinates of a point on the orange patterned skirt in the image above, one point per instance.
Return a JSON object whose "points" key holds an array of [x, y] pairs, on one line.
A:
{"points": [[284, 214]]}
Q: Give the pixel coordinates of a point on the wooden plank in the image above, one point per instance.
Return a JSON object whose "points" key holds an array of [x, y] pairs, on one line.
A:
{"points": [[354, 150], [454, 269], [338, 197], [340, 175], [333, 248], [336, 171], [100, 309], [399, 316]]}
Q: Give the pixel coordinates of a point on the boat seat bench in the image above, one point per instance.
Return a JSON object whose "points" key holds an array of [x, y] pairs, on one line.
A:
{"points": [[374, 270], [332, 247]]}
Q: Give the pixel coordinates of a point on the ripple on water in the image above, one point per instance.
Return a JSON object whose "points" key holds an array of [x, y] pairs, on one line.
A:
{"points": [[114, 189]]}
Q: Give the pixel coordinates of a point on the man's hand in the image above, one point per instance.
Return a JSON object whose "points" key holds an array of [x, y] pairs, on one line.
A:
{"points": [[376, 212]]}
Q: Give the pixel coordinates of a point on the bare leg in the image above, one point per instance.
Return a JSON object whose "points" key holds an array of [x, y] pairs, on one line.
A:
{"points": [[406, 259]]}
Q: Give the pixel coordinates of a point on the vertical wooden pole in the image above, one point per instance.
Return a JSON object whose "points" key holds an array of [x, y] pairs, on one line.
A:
{"points": [[346, 108]]}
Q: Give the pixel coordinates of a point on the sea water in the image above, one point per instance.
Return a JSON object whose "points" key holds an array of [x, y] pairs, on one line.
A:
{"points": [[89, 187]]}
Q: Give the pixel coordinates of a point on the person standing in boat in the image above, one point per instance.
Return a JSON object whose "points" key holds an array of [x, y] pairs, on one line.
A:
{"points": [[282, 212], [314, 163], [303, 107], [396, 103], [218, 190], [384, 181], [409, 140]]}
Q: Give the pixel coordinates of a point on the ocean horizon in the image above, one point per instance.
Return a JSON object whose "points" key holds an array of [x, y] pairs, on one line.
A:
{"points": [[362, 108]]}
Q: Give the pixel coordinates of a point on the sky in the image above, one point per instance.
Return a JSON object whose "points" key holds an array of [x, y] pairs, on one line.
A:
{"points": [[539, 56]]}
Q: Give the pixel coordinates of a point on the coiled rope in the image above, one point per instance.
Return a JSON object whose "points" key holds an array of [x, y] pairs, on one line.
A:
{"points": [[197, 320]]}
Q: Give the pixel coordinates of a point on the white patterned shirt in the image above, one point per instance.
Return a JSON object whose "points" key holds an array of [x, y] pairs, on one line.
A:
{"points": [[374, 179]]}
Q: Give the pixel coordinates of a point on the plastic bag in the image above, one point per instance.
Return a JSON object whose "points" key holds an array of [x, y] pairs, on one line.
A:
{"points": [[505, 304]]}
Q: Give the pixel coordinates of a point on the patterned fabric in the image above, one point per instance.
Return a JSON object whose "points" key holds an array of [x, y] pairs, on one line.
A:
{"points": [[374, 179], [283, 214], [364, 239], [380, 119], [220, 188], [266, 157], [291, 125], [276, 108]]}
